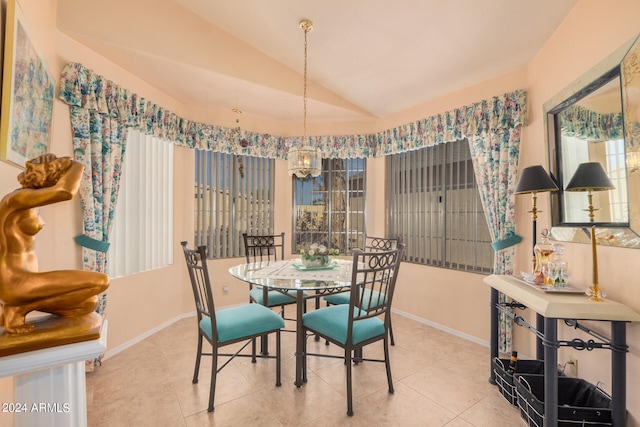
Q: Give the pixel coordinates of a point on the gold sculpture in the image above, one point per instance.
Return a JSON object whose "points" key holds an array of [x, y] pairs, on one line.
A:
{"points": [[69, 295]]}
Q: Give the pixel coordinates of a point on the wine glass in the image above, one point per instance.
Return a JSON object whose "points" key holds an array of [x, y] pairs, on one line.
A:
{"points": [[554, 270], [564, 276], [546, 271]]}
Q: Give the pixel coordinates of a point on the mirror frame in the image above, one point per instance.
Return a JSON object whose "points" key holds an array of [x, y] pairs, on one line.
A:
{"points": [[612, 234]]}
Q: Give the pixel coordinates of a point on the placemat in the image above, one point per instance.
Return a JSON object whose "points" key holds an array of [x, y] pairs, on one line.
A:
{"points": [[286, 270]]}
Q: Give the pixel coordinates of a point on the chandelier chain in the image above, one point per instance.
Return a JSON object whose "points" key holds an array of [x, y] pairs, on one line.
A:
{"points": [[304, 160], [306, 26]]}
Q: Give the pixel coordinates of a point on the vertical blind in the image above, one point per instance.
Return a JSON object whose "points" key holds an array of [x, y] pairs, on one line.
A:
{"points": [[233, 195], [434, 206], [142, 236]]}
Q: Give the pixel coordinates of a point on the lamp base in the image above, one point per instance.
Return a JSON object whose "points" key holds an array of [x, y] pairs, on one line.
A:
{"points": [[595, 294]]}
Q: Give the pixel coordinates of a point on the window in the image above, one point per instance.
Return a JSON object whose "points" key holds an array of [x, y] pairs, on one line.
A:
{"points": [[612, 152], [142, 235], [617, 170], [434, 206], [329, 209], [233, 195]]}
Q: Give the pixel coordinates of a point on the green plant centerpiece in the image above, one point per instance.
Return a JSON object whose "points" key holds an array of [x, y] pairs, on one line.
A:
{"points": [[316, 255]]}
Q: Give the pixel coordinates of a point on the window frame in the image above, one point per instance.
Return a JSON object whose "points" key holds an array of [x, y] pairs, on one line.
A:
{"points": [[142, 239], [356, 172], [238, 212], [434, 208]]}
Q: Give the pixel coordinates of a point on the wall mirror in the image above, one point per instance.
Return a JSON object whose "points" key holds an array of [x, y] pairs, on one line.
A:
{"points": [[597, 119]]}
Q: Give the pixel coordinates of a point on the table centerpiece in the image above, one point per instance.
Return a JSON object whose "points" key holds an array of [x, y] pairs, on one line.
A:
{"points": [[316, 255]]}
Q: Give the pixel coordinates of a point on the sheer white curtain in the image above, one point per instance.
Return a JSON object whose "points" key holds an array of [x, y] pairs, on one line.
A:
{"points": [[574, 152], [142, 236]]}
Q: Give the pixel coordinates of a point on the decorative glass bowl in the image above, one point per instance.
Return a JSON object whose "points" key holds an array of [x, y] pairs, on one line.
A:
{"points": [[316, 256], [322, 261]]}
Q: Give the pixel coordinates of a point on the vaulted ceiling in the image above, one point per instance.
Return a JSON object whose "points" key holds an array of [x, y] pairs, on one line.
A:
{"points": [[366, 58]]}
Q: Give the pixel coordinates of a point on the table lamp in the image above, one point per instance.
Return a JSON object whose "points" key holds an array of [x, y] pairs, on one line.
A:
{"points": [[534, 180], [591, 177]]}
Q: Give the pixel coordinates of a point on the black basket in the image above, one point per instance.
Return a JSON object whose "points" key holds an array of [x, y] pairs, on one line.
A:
{"points": [[579, 402], [504, 378]]}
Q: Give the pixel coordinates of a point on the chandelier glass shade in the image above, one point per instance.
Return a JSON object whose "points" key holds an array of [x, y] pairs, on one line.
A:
{"points": [[308, 159], [305, 161]]}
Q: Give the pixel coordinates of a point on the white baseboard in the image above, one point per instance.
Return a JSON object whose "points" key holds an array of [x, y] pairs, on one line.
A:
{"points": [[112, 352], [442, 328]]}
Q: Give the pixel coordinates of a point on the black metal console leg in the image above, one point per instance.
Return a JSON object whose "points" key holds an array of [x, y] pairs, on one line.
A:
{"points": [[618, 373], [540, 328], [550, 371], [494, 333]]}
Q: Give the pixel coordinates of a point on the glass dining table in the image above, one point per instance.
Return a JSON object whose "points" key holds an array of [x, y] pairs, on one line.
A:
{"points": [[290, 275]]}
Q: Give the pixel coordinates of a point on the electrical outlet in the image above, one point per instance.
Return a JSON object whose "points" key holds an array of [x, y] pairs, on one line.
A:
{"points": [[571, 368], [225, 290]]}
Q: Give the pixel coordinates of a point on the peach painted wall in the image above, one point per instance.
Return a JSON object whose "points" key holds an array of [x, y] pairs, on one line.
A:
{"points": [[137, 304], [141, 302], [588, 35], [455, 301], [55, 237]]}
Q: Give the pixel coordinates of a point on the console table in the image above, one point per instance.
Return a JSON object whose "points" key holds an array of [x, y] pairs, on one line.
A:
{"points": [[571, 308]]}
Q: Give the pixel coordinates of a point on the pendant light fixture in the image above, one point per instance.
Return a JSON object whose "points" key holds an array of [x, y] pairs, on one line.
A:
{"points": [[308, 159]]}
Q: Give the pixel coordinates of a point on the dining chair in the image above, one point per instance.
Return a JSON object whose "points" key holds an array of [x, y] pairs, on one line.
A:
{"points": [[372, 244], [227, 326], [365, 319], [267, 248]]}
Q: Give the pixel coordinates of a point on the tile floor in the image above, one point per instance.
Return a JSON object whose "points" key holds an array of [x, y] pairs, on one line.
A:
{"points": [[440, 380]]}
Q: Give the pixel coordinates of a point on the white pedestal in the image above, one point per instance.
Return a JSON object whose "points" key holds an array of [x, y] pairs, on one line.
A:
{"points": [[49, 384]]}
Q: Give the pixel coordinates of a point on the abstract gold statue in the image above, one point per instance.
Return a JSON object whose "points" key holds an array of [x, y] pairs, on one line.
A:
{"points": [[70, 295]]}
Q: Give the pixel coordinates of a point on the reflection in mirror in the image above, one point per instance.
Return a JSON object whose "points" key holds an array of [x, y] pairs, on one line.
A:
{"points": [[590, 130], [597, 119], [631, 106]]}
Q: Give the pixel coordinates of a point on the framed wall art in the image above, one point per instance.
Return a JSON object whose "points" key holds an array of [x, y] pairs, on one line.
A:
{"points": [[27, 94]]}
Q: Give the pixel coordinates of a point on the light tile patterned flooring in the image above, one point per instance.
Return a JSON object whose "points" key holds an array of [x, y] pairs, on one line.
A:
{"points": [[439, 380]]}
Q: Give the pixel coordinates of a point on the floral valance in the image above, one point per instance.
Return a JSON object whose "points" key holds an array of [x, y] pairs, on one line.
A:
{"points": [[590, 125], [80, 86]]}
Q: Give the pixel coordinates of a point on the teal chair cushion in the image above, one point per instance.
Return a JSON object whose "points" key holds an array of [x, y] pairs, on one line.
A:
{"points": [[242, 321], [343, 298], [333, 321], [275, 298]]}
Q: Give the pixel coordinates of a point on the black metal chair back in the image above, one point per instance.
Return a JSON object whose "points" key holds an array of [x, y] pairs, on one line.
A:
{"points": [[201, 285], [373, 281], [372, 244], [260, 248]]}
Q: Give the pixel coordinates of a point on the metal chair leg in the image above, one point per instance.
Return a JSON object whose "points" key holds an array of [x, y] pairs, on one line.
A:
{"points": [[304, 361], [357, 355], [391, 332], [198, 356], [326, 342], [264, 346], [214, 374], [253, 350], [387, 365], [349, 384], [278, 359]]}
